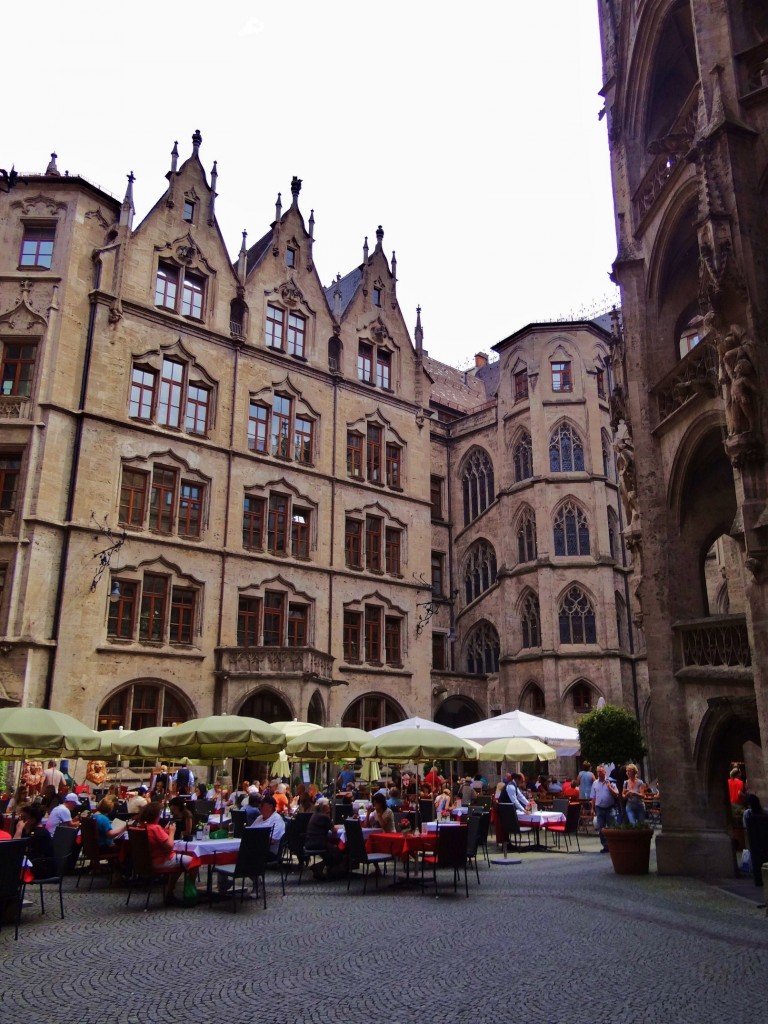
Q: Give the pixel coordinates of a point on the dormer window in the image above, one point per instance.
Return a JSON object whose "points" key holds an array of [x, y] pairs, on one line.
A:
{"points": [[290, 257], [377, 296], [172, 284], [189, 211]]}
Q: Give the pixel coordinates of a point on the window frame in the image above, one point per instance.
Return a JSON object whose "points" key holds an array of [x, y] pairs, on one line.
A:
{"points": [[353, 543], [248, 620], [20, 385], [41, 257], [256, 517], [520, 386], [562, 376], [274, 327]]}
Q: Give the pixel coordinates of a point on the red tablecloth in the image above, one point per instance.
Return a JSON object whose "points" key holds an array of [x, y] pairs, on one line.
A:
{"points": [[401, 844]]}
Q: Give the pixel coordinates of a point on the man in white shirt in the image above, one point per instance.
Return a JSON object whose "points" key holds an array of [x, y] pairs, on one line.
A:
{"points": [[61, 814], [269, 818]]}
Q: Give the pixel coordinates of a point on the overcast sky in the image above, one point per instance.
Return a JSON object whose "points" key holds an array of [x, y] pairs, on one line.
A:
{"points": [[471, 134]]}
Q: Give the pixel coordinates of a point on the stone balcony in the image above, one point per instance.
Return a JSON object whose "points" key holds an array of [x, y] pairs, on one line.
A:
{"points": [[287, 663], [695, 374], [14, 407], [669, 155], [716, 647]]}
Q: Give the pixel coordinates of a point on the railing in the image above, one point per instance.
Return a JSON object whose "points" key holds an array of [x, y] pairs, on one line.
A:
{"points": [[663, 166], [236, 328], [719, 641], [695, 374], [12, 407], [297, 661]]}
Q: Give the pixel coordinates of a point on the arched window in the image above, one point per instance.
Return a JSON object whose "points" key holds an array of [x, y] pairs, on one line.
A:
{"points": [[614, 537], [144, 704], [334, 354], [532, 700], [483, 650], [479, 570], [582, 696], [477, 485], [315, 713], [621, 621], [526, 537], [607, 450], [566, 452], [577, 618], [530, 621], [523, 458], [372, 712], [268, 706], [571, 530]]}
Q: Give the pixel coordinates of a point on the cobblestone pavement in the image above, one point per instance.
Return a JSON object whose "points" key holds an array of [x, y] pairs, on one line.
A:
{"points": [[558, 939]]}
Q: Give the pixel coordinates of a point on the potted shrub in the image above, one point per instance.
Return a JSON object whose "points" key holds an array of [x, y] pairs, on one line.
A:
{"points": [[629, 847]]}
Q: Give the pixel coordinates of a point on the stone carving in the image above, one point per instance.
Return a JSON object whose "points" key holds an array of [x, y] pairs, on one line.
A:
{"points": [[625, 466], [738, 374], [96, 772], [32, 776]]}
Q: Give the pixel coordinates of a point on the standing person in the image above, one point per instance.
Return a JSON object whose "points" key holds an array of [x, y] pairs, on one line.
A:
{"points": [[52, 776], [68, 779], [633, 791], [185, 780], [736, 791], [603, 795], [586, 778]]}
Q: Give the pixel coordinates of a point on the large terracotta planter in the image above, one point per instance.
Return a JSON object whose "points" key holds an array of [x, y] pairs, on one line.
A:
{"points": [[630, 849]]}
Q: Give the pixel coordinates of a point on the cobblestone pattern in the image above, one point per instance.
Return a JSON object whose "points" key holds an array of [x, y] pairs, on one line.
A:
{"points": [[559, 939]]}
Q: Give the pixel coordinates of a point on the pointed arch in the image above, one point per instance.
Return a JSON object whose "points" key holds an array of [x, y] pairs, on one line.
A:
{"points": [[477, 483], [566, 449], [479, 569], [530, 619], [522, 457], [482, 649], [582, 695], [532, 699], [525, 532], [570, 529], [576, 616]]}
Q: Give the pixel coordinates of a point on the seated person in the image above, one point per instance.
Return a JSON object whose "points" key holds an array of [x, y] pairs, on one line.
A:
{"points": [[106, 832], [252, 808], [161, 848], [554, 786], [281, 800], [321, 836], [63, 813], [393, 800], [137, 800], [269, 818], [443, 803], [182, 818], [571, 789], [39, 841], [380, 816]]}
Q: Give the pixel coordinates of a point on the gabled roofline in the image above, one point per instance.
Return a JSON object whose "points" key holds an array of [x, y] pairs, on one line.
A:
{"points": [[552, 326]]}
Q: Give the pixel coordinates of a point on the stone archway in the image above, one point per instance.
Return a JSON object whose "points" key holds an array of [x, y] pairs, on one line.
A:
{"points": [[268, 705], [458, 711], [729, 732]]}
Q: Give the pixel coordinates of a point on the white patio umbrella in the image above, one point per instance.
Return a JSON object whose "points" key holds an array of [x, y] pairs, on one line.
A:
{"points": [[410, 723], [518, 724]]}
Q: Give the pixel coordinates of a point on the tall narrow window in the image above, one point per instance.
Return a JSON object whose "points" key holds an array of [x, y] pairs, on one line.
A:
{"points": [[353, 534], [392, 641], [436, 496], [253, 521], [372, 633], [521, 385], [189, 211], [352, 649], [298, 620], [248, 620], [290, 257], [571, 530], [302, 440], [143, 384], [438, 652], [477, 485], [171, 393], [37, 246], [274, 618], [280, 430], [162, 501], [373, 543], [600, 378], [523, 458], [166, 285], [198, 407], [566, 451], [562, 379], [365, 363], [300, 532], [257, 427], [383, 369], [277, 524], [274, 326], [526, 537], [392, 551], [354, 455], [530, 621], [133, 497], [182, 615], [393, 465], [483, 650], [297, 329], [18, 369], [438, 573], [373, 454], [190, 508], [122, 612], [577, 618], [154, 599], [479, 570], [10, 471], [192, 295]]}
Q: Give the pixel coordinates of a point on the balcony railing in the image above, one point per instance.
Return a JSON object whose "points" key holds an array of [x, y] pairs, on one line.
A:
{"points": [[717, 642], [275, 661], [663, 166], [13, 407], [695, 374], [753, 69], [235, 328]]}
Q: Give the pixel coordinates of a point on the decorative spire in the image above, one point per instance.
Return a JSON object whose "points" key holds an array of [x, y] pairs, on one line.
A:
{"points": [[394, 273], [242, 260], [175, 157], [197, 141], [52, 170], [244, 247], [127, 209], [212, 204], [295, 189], [365, 250], [379, 237], [278, 206], [418, 334], [311, 238], [276, 226], [337, 297]]}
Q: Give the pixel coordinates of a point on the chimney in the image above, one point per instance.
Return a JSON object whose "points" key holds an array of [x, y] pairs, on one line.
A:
{"points": [[481, 360]]}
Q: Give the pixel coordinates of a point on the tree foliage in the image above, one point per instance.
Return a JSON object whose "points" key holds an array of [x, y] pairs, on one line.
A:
{"points": [[610, 734]]}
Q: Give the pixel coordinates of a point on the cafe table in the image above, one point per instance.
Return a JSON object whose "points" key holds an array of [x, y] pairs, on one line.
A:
{"points": [[537, 819], [210, 852]]}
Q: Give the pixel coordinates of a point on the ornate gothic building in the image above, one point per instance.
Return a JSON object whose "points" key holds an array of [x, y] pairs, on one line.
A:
{"points": [[227, 488], [686, 103]]}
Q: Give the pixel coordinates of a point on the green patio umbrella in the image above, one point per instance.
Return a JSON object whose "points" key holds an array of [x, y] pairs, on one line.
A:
{"points": [[517, 748], [294, 728], [327, 744], [40, 732], [416, 745], [107, 738], [222, 736], [139, 743]]}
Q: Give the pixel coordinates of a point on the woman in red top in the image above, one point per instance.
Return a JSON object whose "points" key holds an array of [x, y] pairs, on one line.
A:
{"points": [[736, 788], [161, 848]]}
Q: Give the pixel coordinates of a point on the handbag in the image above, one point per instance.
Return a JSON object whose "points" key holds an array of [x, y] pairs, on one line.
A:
{"points": [[189, 895], [219, 833]]}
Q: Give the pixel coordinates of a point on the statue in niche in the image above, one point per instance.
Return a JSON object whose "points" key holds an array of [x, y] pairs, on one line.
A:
{"points": [[738, 373], [32, 776], [625, 465], [96, 772]]}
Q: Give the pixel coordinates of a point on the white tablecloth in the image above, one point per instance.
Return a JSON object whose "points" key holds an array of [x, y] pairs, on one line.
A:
{"points": [[541, 818], [206, 847]]}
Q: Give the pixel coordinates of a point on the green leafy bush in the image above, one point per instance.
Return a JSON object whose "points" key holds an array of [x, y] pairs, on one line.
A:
{"points": [[610, 734]]}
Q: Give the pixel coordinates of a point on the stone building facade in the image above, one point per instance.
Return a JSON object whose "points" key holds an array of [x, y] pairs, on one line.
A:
{"points": [[686, 104], [228, 488]]}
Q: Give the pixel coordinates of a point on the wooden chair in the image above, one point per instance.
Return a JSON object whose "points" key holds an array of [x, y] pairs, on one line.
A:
{"points": [[95, 856], [451, 854], [357, 853], [63, 846]]}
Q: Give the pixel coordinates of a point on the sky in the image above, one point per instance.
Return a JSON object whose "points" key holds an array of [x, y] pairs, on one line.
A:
{"points": [[470, 134]]}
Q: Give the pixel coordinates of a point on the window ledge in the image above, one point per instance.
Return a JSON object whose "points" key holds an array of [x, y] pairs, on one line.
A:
{"points": [[374, 668], [154, 650]]}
